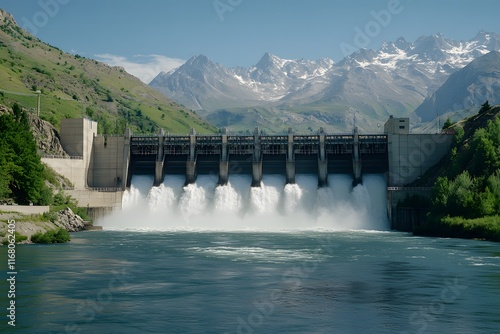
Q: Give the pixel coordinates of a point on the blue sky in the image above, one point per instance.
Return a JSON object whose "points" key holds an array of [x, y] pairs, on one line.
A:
{"points": [[149, 36]]}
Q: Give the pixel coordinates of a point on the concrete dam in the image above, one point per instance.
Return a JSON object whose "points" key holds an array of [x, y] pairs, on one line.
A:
{"points": [[258, 154], [101, 166]]}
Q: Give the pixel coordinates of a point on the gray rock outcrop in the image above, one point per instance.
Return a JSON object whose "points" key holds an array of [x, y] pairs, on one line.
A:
{"points": [[46, 136], [70, 221]]}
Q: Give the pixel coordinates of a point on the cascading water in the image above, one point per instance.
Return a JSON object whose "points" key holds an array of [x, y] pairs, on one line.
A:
{"points": [[205, 206]]}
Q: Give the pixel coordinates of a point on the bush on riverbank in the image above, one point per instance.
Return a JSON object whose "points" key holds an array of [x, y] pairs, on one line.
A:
{"points": [[19, 238], [486, 228], [51, 237]]}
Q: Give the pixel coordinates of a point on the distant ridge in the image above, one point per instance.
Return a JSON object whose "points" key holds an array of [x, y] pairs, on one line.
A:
{"points": [[393, 80], [471, 86]]}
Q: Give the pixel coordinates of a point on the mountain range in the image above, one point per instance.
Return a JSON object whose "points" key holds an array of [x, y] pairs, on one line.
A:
{"points": [[366, 87], [467, 88]]}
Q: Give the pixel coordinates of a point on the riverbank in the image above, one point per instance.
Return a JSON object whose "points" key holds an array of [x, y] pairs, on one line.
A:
{"points": [[486, 228], [28, 225]]}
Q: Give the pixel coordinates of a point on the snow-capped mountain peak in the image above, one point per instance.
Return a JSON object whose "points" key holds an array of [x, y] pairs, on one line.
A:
{"points": [[271, 61], [391, 80]]}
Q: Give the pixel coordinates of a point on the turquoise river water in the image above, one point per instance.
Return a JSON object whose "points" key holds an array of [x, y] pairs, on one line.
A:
{"points": [[158, 268]]}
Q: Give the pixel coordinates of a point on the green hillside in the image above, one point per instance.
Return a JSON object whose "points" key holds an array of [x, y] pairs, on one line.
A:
{"points": [[70, 84], [466, 199]]}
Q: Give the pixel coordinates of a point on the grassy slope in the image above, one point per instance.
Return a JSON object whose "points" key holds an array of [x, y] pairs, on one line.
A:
{"points": [[27, 63]]}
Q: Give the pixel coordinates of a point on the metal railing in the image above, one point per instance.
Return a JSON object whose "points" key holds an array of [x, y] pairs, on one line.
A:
{"points": [[410, 188], [105, 189], [62, 157]]}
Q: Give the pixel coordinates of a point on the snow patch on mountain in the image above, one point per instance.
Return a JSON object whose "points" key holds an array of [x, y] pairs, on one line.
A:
{"points": [[392, 80]]}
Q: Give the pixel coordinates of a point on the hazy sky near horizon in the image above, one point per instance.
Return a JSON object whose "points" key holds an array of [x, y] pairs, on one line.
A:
{"points": [[149, 36]]}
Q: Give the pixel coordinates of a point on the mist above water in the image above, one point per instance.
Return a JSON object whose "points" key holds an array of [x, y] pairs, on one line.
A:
{"points": [[205, 206]]}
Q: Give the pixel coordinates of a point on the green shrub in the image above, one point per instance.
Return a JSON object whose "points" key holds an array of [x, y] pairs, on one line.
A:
{"points": [[50, 216], [60, 199], [19, 238], [487, 228], [51, 237]]}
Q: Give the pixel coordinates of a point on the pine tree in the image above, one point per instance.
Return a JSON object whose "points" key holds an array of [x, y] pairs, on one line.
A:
{"points": [[448, 124], [485, 107]]}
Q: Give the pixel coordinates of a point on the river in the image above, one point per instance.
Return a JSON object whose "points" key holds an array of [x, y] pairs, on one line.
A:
{"points": [[276, 259]]}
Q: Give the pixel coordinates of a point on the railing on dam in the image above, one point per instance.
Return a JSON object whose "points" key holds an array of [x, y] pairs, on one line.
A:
{"points": [[409, 189], [68, 157], [336, 144], [259, 153]]}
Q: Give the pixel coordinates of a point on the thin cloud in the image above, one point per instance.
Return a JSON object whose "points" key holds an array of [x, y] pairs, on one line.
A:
{"points": [[145, 67]]}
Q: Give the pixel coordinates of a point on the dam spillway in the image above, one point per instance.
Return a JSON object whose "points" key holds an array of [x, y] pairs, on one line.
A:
{"points": [[236, 206], [257, 155]]}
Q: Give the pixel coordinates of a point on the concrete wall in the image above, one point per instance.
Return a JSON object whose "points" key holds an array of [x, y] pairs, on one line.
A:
{"points": [[97, 199], [98, 165], [411, 155], [73, 169], [405, 219], [77, 136], [106, 162], [25, 210], [96, 213]]}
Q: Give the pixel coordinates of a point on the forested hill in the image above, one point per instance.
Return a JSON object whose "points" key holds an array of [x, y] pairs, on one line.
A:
{"points": [[70, 84], [466, 199]]}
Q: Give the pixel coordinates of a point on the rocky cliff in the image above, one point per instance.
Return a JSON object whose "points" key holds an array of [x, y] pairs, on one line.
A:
{"points": [[45, 134]]}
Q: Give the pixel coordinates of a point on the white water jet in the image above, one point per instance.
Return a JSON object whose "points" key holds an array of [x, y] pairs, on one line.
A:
{"points": [[205, 206], [266, 198], [227, 199], [135, 196], [292, 197]]}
